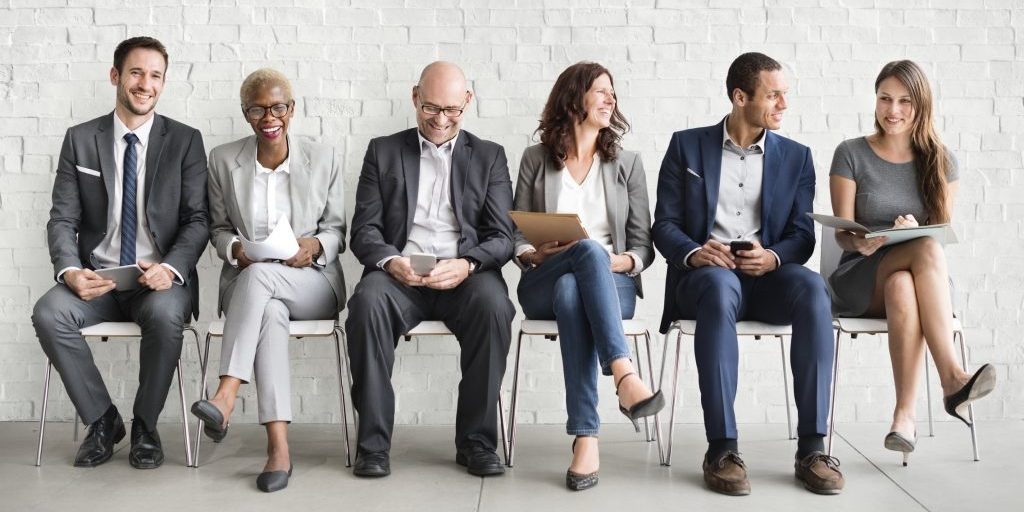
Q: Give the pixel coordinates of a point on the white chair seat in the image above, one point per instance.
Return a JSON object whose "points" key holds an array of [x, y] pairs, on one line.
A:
{"points": [[874, 325], [296, 328], [429, 328], [550, 327], [113, 330], [744, 328]]}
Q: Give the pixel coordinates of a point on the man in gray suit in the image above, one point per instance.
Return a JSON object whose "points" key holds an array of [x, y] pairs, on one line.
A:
{"points": [[130, 189], [437, 190]]}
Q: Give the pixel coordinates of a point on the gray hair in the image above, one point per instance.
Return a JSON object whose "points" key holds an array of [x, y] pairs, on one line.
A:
{"points": [[264, 77]]}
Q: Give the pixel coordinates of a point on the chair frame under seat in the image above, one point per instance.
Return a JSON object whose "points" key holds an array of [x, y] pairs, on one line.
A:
{"points": [[105, 331], [296, 329], [747, 328], [634, 329]]}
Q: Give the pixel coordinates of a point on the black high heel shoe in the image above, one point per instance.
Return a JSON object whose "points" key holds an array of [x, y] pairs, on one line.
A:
{"points": [[900, 443], [579, 481], [982, 383], [647, 407]]}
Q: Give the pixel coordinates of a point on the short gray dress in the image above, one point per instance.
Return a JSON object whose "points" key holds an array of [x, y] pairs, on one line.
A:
{"points": [[884, 191]]}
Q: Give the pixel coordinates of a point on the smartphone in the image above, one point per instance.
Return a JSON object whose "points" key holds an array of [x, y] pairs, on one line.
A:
{"points": [[422, 263], [740, 245]]}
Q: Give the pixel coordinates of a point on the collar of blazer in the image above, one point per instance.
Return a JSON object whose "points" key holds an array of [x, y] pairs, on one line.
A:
{"points": [[244, 172], [711, 161], [105, 149], [461, 156], [613, 175]]}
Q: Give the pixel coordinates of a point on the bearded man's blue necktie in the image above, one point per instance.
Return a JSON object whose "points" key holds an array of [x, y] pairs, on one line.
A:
{"points": [[129, 213]]}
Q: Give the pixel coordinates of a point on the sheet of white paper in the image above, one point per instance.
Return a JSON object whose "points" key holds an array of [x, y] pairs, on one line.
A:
{"points": [[279, 245], [942, 234]]}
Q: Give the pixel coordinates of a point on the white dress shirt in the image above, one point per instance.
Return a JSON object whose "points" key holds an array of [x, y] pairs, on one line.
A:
{"points": [[271, 199]]}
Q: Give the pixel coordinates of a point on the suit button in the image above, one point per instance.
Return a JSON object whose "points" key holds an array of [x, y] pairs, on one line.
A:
{"points": [[743, 158]]}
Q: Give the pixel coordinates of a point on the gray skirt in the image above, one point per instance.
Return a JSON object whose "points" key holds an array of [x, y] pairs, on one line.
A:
{"points": [[853, 283]]}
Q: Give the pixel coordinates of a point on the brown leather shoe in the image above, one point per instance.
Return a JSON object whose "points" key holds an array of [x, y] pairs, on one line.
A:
{"points": [[727, 474], [820, 473]]}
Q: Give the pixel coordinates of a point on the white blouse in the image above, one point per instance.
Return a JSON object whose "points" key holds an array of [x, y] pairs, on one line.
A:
{"points": [[587, 200]]}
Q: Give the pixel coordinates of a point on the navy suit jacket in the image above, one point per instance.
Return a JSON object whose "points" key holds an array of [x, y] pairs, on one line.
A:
{"points": [[688, 196]]}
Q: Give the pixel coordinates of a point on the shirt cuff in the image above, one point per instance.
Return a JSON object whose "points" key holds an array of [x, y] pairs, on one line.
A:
{"points": [[638, 264], [521, 250], [177, 276], [322, 260], [60, 275], [686, 259], [229, 253], [384, 261], [778, 261]]}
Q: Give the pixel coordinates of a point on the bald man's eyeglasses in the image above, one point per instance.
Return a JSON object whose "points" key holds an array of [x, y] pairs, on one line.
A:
{"points": [[450, 112]]}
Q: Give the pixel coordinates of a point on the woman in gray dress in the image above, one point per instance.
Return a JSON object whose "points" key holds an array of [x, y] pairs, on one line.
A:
{"points": [[900, 176]]}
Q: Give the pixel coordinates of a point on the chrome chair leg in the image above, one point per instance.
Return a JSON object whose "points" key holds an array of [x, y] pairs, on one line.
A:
{"points": [[675, 392], [928, 396], [515, 402], [785, 388], [959, 336], [657, 421], [501, 426], [203, 395], [640, 373], [184, 416], [42, 414], [341, 394], [832, 400]]}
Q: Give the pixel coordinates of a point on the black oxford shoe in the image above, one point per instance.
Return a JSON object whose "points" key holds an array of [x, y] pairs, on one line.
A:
{"points": [[479, 461], [372, 464], [146, 452], [98, 445]]}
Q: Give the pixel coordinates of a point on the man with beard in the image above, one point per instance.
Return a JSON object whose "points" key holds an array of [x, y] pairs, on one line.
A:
{"points": [[438, 190], [130, 189]]}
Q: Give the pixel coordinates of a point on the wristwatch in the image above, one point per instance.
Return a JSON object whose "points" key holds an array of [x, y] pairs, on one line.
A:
{"points": [[473, 264]]}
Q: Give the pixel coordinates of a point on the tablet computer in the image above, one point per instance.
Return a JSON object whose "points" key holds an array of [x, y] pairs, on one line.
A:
{"points": [[540, 227], [125, 278]]}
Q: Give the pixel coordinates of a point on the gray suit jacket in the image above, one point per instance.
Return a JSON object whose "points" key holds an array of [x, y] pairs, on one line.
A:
{"points": [[317, 202], [481, 195], [175, 196], [625, 185]]}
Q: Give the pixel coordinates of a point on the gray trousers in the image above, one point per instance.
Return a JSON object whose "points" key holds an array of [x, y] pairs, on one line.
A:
{"points": [[259, 304], [60, 314]]}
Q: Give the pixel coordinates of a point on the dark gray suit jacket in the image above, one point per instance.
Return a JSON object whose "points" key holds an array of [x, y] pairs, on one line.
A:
{"points": [[481, 196], [175, 196], [625, 187]]}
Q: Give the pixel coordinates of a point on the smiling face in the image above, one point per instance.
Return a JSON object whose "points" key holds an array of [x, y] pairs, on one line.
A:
{"points": [[139, 82], [270, 129], [599, 103], [764, 109], [442, 85], [894, 107]]}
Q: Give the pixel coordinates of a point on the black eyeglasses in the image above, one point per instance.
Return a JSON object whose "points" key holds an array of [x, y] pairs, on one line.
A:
{"points": [[433, 110], [257, 112]]}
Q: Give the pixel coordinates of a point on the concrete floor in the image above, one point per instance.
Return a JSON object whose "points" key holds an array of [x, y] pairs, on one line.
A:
{"points": [[941, 475]]}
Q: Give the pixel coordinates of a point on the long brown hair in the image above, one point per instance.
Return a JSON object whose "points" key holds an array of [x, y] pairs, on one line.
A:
{"points": [[931, 157], [564, 110]]}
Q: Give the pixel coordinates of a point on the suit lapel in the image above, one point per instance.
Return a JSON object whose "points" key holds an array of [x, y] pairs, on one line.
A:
{"points": [[769, 177], [411, 169], [552, 184], [105, 150], [711, 159], [612, 179], [461, 156], [242, 181], [153, 150], [298, 182]]}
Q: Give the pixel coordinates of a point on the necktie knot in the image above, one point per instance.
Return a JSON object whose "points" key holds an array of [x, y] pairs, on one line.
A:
{"points": [[131, 138]]}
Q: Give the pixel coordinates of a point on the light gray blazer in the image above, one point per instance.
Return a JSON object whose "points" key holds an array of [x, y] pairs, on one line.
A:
{"points": [[625, 186], [317, 197]]}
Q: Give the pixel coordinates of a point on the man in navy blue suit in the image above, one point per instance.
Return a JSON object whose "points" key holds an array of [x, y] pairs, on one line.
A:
{"points": [[738, 181]]}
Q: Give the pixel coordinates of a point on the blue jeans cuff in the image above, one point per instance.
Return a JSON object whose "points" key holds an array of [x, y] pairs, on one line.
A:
{"points": [[581, 431], [606, 366]]}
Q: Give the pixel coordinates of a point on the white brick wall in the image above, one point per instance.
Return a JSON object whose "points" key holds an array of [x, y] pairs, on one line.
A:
{"points": [[353, 64]]}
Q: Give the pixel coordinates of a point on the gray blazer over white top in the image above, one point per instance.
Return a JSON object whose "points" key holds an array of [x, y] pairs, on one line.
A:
{"points": [[317, 202], [625, 187]]}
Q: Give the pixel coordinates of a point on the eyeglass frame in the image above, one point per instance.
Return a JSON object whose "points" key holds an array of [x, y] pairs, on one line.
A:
{"points": [[461, 110], [288, 108]]}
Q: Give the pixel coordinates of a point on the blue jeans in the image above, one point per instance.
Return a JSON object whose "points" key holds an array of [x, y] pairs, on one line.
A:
{"points": [[577, 289]]}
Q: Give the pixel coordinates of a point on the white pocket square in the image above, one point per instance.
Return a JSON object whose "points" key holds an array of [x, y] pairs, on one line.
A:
{"points": [[691, 171], [87, 170]]}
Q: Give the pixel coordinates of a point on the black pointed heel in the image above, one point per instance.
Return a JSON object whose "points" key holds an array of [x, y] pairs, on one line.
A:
{"points": [[982, 383], [647, 407]]}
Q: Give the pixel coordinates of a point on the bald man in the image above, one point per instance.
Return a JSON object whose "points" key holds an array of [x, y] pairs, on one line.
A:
{"points": [[440, 191]]}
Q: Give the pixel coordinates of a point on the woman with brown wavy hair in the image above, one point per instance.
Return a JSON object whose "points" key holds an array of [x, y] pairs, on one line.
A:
{"points": [[587, 286], [900, 176]]}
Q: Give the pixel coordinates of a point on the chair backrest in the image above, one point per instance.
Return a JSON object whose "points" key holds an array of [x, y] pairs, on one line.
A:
{"points": [[830, 254]]}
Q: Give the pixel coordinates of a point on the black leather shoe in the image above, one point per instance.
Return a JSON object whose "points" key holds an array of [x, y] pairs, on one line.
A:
{"points": [[146, 452], [479, 461], [981, 384], [98, 445], [213, 420], [372, 464], [270, 481]]}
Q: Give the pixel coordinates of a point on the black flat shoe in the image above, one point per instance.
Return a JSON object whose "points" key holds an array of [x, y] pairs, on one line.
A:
{"points": [[146, 452], [479, 461], [372, 464], [270, 481], [647, 407], [982, 383], [213, 420], [900, 443], [579, 481], [98, 445]]}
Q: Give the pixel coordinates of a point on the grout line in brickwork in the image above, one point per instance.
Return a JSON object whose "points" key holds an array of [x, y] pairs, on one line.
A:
{"points": [[882, 471]]}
